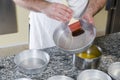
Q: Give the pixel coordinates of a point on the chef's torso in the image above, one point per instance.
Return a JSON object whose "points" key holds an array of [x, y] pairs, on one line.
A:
{"points": [[42, 27]]}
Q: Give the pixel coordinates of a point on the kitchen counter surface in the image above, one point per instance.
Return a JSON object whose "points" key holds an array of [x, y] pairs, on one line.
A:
{"points": [[61, 62]]}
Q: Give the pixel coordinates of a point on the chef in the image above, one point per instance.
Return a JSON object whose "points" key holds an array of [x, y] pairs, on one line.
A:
{"points": [[47, 15]]}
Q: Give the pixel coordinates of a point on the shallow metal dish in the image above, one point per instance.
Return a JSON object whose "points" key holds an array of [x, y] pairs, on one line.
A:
{"points": [[32, 61], [23, 79], [60, 77], [93, 74], [114, 70], [64, 40]]}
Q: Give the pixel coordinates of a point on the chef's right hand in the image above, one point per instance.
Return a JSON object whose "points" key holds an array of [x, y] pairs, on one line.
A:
{"points": [[58, 11]]}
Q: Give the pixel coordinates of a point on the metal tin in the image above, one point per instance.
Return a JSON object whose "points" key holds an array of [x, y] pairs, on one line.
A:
{"points": [[63, 38], [89, 59], [93, 74], [114, 70], [32, 61], [60, 77], [23, 79]]}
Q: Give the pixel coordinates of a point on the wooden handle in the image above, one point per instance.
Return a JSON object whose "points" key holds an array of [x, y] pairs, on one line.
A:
{"points": [[75, 26]]}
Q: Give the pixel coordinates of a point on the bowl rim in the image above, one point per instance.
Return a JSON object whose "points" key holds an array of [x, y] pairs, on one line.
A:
{"points": [[25, 51], [109, 69], [95, 57], [23, 78], [63, 76], [95, 70]]}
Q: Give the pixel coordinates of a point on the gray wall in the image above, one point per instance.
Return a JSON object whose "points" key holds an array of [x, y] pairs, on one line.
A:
{"points": [[8, 23]]}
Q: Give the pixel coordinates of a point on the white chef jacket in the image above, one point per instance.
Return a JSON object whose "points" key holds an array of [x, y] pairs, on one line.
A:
{"points": [[43, 27]]}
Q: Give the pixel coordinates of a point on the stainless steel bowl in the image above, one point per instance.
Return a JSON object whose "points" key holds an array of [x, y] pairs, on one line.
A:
{"points": [[114, 70], [23, 79], [89, 59], [64, 40], [60, 77], [32, 61], [93, 74]]}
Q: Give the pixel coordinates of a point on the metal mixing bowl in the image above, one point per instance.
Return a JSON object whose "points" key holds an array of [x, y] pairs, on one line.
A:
{"points": [[32, 61], [60, 77], [114, 70], [93, 74], [64, 40]]}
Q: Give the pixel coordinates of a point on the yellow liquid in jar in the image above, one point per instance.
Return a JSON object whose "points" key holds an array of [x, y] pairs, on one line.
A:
{"points": [[92, 52], [85, 55]]}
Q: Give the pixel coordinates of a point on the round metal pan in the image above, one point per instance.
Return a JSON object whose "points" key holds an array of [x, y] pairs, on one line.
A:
{"points": [[32, 61], [60, 77], [73, 44]]}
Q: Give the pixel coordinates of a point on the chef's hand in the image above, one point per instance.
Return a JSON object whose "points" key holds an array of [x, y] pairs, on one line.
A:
{"points": [[88, 18], [58, 11]]}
